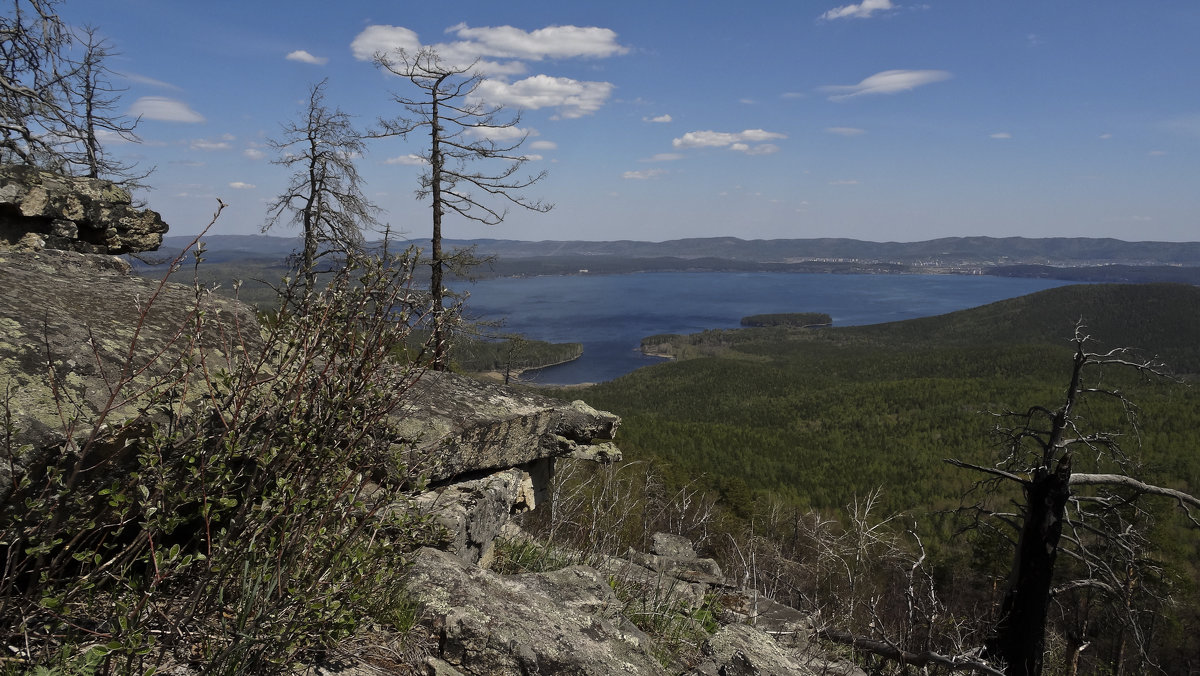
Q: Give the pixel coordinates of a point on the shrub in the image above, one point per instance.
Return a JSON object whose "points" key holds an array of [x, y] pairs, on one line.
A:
{"points": [[251, 516]]}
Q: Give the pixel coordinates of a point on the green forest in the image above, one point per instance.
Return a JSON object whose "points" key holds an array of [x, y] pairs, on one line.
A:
{"points": [[813, 420]]}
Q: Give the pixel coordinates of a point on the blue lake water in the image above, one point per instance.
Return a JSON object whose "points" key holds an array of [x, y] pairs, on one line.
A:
{"points": [[610, 314]]}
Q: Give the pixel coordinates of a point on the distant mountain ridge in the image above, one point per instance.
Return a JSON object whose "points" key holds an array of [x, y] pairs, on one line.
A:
{"points": [[947, 251]]}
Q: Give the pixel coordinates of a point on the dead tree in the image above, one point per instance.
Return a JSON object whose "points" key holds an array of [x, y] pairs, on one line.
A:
{"points": [[1063, 510], [94, 98], [34, 69], [470, 171], [57, 101], [324, 194]]}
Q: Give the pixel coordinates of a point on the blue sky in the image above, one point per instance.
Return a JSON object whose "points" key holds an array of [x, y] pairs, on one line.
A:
{"points": [[881, 120]]}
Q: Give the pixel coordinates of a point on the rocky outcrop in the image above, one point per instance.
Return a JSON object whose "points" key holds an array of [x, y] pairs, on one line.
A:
{"points": [[474, 512], [564, 622], [458, 426], [742, 650], [40, 209], [67, 324]]}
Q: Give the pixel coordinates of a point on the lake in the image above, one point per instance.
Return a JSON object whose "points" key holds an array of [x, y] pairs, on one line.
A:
{"points": [[610, 314]]}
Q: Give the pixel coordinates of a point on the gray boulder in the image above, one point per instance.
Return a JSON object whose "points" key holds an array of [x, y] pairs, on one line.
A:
{"points": [[564, 622], [41, 209]]}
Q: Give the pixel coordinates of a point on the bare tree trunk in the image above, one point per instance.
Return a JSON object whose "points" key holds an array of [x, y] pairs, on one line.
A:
{"points": [[1019, 637], [437, 260]]}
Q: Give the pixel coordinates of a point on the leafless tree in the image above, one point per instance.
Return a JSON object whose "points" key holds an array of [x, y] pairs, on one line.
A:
{"points": [[324, 195], [56, 95], [1085, 515], [93, 99], [33, 71], [471, 171]]}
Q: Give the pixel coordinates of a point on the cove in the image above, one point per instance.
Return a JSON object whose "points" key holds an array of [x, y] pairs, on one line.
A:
{"points": [[610, 314]]}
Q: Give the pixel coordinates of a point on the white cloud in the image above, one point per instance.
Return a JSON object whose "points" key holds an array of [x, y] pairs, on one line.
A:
{"points": [[720, 139], [486, 43], [551, 42], [862, 10], [164, 109], [239, 185], [572, 98], [500, 52], [543, 145], [1106, 136], [643, 174], [761, 149], [846, 131], [304, 57], [374, 39], [253, 154], [664, 157], [205, 144], [747, 102], [887, 82], [408, 160], [501, 133], [660, 118], [1001, 135], [534, 157]]}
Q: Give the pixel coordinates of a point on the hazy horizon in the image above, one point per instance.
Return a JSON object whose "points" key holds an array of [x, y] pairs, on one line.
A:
{"points": [[879, 120]]}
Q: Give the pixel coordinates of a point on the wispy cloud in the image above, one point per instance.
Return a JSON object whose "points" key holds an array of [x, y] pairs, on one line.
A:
{"points": [[304, 57], [739, 141], [253, 154], [240, 185], [1001, 135], [663, 157], [164, 110], [407, 160], [1157, 153], [643, 174], [209, 144], [543, 145], [511, 133], [862, 10], [142, 79], [845, 131], [887, 82], [1188, 125], [659, 119]]}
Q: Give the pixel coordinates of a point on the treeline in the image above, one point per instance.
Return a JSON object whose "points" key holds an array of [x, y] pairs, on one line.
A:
{"points": [[513, 353], [797, 319]]}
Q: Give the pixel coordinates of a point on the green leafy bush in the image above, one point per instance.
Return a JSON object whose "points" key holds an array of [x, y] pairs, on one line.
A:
{"points": [[251, 517]]}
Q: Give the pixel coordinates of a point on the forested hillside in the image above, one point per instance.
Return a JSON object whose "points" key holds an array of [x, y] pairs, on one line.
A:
{"points": [[781, 422], [817, 415]]}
